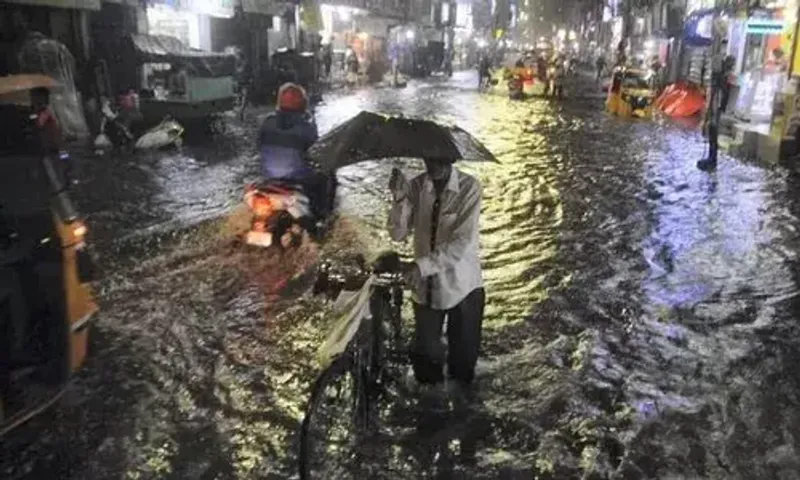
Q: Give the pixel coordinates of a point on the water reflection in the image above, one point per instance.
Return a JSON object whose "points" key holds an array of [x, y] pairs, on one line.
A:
{"points": [[641, 316]]}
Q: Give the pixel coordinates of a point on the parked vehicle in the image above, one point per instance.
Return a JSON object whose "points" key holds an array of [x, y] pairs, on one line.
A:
{"points": [[115, 133], [630, 94], [46, 303], [182, 83]]}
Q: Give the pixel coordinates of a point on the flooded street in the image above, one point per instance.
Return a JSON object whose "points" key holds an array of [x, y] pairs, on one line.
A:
{"points": [[640, 319]]}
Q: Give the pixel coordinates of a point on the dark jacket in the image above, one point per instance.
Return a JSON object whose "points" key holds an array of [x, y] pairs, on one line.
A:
{"points": [[283, 141]]}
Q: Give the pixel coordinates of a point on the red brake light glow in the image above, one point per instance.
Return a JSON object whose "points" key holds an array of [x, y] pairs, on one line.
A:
{"points": [[261, 206]]}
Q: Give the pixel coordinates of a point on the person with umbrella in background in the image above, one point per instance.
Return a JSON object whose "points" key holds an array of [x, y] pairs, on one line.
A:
{"points": [[441, 207]]}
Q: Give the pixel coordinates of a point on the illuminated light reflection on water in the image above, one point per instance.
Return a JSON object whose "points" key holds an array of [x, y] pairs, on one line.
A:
{"points": [[640, 319]]}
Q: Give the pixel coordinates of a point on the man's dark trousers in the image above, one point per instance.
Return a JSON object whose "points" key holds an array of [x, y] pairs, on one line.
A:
{"points": [[464, 323]]}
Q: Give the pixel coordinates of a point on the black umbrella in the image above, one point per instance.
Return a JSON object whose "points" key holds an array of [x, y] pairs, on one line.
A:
{"points": [[370, 136]]}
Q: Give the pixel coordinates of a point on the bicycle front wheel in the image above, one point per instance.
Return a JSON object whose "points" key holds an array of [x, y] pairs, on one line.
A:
{"points": [[335, 422]]}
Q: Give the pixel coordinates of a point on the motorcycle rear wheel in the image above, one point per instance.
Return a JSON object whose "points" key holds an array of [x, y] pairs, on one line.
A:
{"points": [[287, 233]]}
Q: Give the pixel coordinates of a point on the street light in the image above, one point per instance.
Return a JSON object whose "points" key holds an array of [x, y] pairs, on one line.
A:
{"points": [[410, 34], [344, 13]]}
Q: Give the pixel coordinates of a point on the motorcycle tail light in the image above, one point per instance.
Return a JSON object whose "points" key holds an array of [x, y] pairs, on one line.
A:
{"points": [[80, 231], [261, 206]]}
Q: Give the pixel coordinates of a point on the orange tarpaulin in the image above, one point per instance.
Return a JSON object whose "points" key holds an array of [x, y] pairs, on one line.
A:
{"points": [[681, 100]]}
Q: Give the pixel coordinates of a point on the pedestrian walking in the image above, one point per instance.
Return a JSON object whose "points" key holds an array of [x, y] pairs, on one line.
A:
{"points": [[327, 59], [441, 207], [600, 65]]}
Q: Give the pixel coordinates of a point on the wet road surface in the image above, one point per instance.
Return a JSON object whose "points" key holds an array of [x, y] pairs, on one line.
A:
{"points": [[640, 319]]}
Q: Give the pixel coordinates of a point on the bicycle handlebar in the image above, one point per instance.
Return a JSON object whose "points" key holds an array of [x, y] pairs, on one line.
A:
{"points": [[386, 269], [389, 280]]}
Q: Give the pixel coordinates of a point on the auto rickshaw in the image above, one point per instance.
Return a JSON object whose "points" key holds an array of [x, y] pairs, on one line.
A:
{"points": [[630, 93], [46, 303]]}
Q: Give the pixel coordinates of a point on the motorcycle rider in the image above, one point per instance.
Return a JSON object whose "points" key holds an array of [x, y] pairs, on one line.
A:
{"points": [[283, 140]]}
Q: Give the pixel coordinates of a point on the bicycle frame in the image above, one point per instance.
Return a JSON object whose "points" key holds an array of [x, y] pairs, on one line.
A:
{"points": [[363, 360]]}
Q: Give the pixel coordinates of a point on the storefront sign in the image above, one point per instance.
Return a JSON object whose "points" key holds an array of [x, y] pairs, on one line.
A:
{"points": [[764, 26]]}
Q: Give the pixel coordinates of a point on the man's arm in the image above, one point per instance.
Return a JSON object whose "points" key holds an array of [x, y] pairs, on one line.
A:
{"points": [[448, 253], [401, 216]]}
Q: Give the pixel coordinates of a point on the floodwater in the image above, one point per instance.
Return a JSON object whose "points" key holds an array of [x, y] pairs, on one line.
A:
{"points": [[641, 316]]}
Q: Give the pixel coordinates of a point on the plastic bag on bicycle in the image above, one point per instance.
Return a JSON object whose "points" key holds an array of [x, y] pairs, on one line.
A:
{"points": [[351, 309]]}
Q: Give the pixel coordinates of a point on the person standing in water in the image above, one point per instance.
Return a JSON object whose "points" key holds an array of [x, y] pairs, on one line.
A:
{"points": [[441, 207]]}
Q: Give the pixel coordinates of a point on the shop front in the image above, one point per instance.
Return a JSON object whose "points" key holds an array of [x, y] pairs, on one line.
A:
{"points": [[340, 32], [366, 35], [187, 20], [257, 25], [762, 48]]}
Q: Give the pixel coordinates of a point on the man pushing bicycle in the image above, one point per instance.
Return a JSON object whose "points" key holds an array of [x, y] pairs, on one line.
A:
{"points": [[442, 207]]}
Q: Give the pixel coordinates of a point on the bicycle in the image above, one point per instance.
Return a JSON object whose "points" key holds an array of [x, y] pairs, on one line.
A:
{"points": [[359, 375]]}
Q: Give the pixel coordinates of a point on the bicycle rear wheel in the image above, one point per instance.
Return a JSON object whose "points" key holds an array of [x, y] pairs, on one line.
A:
{"points": [[336, 420]]}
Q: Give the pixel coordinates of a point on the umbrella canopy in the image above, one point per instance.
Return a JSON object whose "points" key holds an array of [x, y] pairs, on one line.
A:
{"points": [[14, 89], [370, 136]]}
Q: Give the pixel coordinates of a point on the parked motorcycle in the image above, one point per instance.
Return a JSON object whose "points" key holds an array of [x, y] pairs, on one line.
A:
{"points": [[114, 132]]}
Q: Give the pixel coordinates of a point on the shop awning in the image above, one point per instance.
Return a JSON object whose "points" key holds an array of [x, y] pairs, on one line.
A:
{"points": [[165, 49], [264, 7], [78, 4]]}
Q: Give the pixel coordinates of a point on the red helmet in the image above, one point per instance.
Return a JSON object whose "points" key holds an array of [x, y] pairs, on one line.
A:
{"points": [[292, 98]]}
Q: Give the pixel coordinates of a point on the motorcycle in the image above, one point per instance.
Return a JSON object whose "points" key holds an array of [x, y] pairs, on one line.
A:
{"points": [[114, 132], [276, 211], [281, 212]]}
